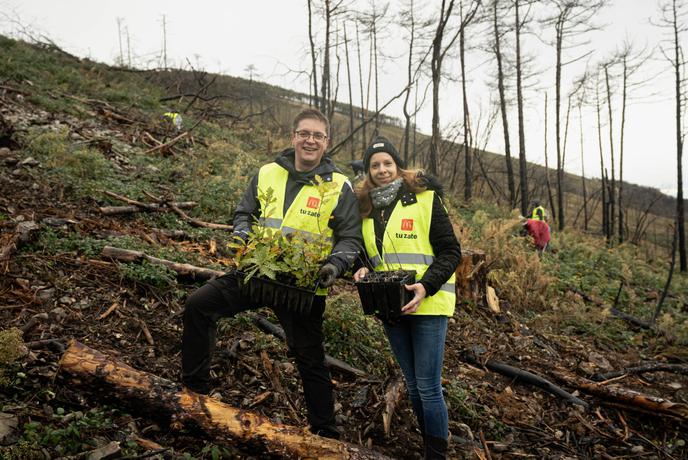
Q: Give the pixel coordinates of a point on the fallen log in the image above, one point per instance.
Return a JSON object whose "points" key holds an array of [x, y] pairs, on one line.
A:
{"points": [[127, 255], [649, 367], [522, 376], [333, 363], [624, 397], [221, 421], [613, 310], [131, 209]]}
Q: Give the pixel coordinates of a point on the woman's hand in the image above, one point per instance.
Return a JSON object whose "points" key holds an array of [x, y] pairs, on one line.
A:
{"points": [[418, 295], [360, 273]]}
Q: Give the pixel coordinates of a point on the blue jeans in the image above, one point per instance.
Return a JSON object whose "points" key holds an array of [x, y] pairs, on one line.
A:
{"points": [[418, 344]]}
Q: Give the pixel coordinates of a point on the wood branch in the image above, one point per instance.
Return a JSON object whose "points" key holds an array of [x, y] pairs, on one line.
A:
{"points": [[221, 421], [522, 376], [392, 397], [127, 255], [197, 222], [22, 234], [275, 380], [33, 321], [167, 144], [110, 210], [649, 367], [625, 398], [333, 363]]}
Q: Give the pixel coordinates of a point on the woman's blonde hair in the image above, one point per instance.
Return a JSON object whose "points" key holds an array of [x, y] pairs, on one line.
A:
{"points": [[412, 178]]}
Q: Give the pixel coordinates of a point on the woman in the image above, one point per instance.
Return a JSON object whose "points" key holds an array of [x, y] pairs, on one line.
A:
{"points": [[405, 225]]}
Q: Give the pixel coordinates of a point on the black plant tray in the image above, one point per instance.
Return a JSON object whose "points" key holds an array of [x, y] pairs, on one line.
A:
{"points": [[383, 294], [269, 293]]}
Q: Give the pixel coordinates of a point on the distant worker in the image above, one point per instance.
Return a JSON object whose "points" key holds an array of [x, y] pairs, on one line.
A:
{"points": [[538, 211], [539, 231], [175, 119]]}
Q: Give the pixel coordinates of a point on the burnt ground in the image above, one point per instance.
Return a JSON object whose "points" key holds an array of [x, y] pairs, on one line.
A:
{"points": [[76, 291]]}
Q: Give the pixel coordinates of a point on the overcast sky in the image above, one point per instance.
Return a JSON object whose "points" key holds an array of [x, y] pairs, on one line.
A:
{"points": [[272, 35]]}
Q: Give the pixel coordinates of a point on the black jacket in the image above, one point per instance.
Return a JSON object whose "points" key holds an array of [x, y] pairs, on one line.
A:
{"points": [[442, 238], [346, 221]]}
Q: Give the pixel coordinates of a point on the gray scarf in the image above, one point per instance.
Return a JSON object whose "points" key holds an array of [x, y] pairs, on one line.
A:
{"points": [[385, 194]]}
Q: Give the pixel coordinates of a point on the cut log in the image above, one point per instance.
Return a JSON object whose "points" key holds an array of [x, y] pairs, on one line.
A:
{"points": [[221, 421], [522, 376], [625, 398], [471, 275], [127, 255], [131, 209]]}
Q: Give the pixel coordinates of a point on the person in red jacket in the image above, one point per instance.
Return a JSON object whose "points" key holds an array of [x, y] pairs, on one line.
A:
{"points": [[539, 230]]}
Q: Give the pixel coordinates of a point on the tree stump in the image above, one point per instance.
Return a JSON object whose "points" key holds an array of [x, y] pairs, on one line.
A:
{"points": [[471, 276]]}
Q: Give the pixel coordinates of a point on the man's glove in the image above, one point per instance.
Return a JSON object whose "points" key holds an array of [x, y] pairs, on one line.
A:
{"points": [[327, 274]]}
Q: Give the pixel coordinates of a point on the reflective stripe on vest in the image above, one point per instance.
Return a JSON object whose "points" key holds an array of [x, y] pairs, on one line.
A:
{"points": [[406, 245], [535, 215], [308, 215]]}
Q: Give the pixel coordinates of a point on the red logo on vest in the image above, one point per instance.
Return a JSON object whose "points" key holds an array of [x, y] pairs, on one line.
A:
{"points": [[407, 224], [313, 202]]}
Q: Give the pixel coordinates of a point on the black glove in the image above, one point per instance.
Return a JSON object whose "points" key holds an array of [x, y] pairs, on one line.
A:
{"points": [[327, 274]]}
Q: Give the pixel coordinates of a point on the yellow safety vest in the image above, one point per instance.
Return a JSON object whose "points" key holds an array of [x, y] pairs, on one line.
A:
{"points": [[535, 215], [309, 214], [406, 245]]}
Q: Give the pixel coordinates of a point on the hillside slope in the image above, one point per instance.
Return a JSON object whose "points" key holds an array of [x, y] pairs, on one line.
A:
{"points": [[71, 129]]}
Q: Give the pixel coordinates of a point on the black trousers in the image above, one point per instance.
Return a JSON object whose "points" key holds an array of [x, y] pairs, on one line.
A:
{"points": [[221, 298]]}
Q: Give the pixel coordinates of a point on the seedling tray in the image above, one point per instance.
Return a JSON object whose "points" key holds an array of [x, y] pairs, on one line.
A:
{"points": [[383, 293], [269, 293]]}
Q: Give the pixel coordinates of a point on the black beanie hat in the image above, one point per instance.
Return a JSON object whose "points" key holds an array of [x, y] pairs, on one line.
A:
{"points": [[382, 144]]}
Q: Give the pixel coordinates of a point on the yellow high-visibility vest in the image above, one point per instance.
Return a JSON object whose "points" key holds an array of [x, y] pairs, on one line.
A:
{"points": [[406, 245], [308, 215], [535, 214]]}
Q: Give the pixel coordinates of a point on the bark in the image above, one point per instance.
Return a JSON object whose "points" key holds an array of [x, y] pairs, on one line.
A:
{"points": [[126, 255], [642, 369], [522, 164], [325, 88], [313, 59], [680, 217], [22, 234], [351, 100], [364, 138], [197, 222], [393, 395], [585, 191], [523, 376], [626, 398], [467, 133], [131, 209], [553, 210], [221, 421], [502, 107], [612, 184], [471, 275]]}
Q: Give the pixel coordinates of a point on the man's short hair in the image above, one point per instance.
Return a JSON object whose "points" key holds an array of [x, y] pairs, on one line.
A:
{"points": [[313, 114]]}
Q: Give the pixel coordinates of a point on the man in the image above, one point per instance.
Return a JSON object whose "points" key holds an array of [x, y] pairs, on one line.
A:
{"points": [[291, 176]]}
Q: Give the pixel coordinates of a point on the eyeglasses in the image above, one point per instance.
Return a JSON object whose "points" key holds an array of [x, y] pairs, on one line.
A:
{"points": [[305, 135]]}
